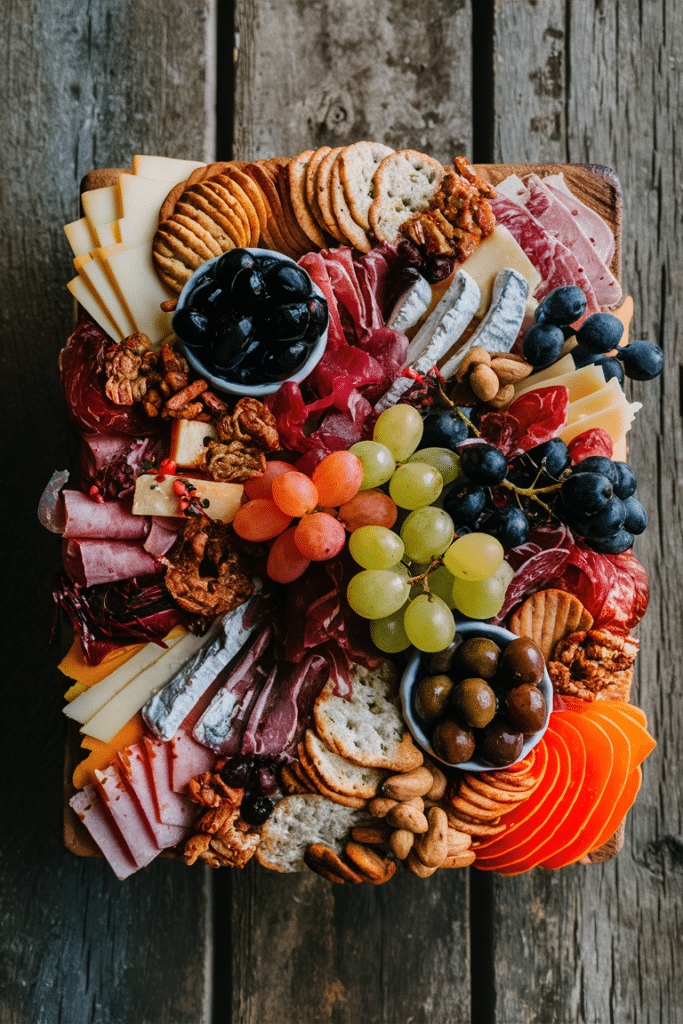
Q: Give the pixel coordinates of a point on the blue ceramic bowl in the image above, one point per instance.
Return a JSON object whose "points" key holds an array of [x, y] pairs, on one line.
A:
{"points": [[413, 674], [221, 383]]}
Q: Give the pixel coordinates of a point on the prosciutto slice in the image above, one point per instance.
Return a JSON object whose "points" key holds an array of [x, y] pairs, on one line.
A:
{"points": [[101, 520], [284, 704], [556, 264], [89, 562], [597, 231]]}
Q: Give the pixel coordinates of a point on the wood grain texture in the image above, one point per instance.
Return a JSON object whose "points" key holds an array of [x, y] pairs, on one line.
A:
{"points": [[83, 84], [332, 72], [601, 943]]}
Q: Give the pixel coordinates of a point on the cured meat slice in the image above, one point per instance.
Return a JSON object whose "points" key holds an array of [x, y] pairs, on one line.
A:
{"points": [[188, 758], [127, 816], [102, 520], [92, 812], [172, 808], [90, 562], [554, 261], [134, 770], [160, 540], [598, 232], [559, 222]]}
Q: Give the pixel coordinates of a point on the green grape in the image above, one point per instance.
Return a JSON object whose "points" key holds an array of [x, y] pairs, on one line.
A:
{"points": [[377, 461], [440, 582], [504, 574], [389, 633], [429, 623], [443, 459], [476, 556], [426, 533], [400, 428], [376, 593], [375, 547], [481, 599], [415, 484], [402, 570]]}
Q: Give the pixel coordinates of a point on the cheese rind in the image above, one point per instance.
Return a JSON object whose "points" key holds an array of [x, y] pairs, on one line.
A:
{"points": [[93, 273], [496, 252], [157, 498]]}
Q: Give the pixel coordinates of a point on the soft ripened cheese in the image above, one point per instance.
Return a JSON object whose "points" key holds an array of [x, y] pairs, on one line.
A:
{"points": [[616, 419], [124, 704], [579, 383], [157, 498], [188, 442], [601, 398], [164, 168], [143, 291], [94, 274], [140, 199], [558, 369], [81, 236], [91, 303], [100, 205], [496, 252], [83, 708]]}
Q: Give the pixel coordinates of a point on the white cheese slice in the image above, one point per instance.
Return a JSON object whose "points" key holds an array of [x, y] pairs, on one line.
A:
{"points": [[157, 498], [108, 234], [579, 383], [92, 304], [102, 255], [410, 306], [92, 700], [499, 328], [164, 168], [616, 419], [564, 365], [81, 236], [120, 709], [140, 200], [143, 291], [188, 442], [100, 205], [497, 251], [93, 272], [606, 396]]}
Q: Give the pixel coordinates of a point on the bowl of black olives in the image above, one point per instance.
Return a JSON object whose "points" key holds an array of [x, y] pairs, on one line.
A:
{"points": [[249, 320], [481, 704]]}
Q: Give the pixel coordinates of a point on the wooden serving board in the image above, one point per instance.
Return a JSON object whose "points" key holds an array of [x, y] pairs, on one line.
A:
{"points": [[598, 187]]}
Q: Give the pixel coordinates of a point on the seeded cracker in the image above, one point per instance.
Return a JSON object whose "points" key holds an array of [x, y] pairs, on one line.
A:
{"points": [[404, 183]]}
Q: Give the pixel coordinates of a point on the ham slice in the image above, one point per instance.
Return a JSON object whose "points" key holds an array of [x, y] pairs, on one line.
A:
{"points": [[597, 231], [559, 222], [103, 520], [188, 758], [127, 816], [89, 562], [92, 812], [134, 769], [160, 540], [556, 264], [171, 808]]}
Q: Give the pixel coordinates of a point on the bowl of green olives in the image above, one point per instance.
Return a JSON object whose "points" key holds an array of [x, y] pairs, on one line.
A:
{"points": [[481, 704]]}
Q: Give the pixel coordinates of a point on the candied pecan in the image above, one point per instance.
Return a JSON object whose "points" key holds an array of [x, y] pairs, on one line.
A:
{"points": [[122, 365], [466, 169], [209, 789], [218, 819], [186, 395], [458, 217], [172, 362], [152, 403], [210, 583], [594, 665], [214, 404], [234, 847], [232, 461], [250, 421]]}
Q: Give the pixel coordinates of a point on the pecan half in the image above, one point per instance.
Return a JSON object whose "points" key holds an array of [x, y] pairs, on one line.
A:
{"points": [[594, 665], [232, 461], [250, 421]]}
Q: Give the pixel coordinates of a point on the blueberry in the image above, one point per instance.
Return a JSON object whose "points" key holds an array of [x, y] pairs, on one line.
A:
{"points": [[586, 493], [616, 545], [542, 345], [509, 525], [636, 516], [626, 481], [483, 464], [643, 360], [191, 327], [465, 502], [227, 265], [598, 464], [256, 810], [600, 333], [443, 429], [287, 283], [562, 306]]}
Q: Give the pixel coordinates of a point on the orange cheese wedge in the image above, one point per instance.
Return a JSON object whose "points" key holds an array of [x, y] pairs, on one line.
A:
{"points": [[75, 665], [102, 754]]}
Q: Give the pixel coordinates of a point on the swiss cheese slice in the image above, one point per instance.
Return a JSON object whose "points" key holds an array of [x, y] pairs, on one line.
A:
{"points": [[139, 284], [558, 369], [123, 705], [164, 168], [157, 498], [81, 236], [496, 252], [579, 383], [92, 304]]}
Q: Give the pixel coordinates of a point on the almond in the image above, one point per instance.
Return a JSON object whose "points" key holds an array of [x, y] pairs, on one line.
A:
{"points": [[406, 816], [504, 397], [401, 842], [510, 371], [403, 787], [484, 382]]}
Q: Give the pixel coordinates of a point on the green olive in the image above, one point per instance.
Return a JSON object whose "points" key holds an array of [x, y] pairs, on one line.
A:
{"points": [[479, 657], [475, 702], [522, 662], [526, 708], [431, 697]]}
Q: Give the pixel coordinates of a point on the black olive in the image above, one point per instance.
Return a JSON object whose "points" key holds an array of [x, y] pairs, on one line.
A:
{"points": [[282, 364], [256, 810], [191, 327], [236, 773], [319, 316], [233, 336], [208, 298], [287, 283], [227, 265], [247, 291], [501, 744], [288, 322]]}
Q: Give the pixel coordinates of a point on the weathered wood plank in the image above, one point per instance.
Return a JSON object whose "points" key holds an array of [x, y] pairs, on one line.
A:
{"points": [[83, 85], [601, 943], [331, 72]]}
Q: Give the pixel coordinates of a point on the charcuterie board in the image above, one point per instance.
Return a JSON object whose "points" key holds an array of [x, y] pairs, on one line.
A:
{"points": [[598, 190]]}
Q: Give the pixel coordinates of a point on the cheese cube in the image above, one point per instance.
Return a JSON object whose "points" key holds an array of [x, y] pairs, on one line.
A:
{"points": [[189, 440], [157, 498]]}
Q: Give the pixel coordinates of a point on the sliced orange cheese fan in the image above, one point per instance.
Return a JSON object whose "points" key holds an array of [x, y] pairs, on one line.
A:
{"points": [[75, 666], [516, 817], [102, 754]]}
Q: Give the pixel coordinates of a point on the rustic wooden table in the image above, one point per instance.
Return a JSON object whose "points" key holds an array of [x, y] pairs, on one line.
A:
{"points": [[90, 84]]}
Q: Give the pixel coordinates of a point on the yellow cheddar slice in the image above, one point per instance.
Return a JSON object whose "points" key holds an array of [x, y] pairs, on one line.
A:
{"points": [[157, 497], [88, 298], [497, 251], [579, 383], [102, 754], [141, 289], [81, 236], [164, 168]]}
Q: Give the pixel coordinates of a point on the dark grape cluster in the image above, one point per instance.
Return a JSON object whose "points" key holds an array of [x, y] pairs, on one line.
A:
{"points": [[250, 318], [598, 336], [597, 501]]}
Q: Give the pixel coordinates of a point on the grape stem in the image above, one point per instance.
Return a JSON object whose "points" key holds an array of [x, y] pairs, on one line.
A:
{"points": [[532, 492], [438, 386], [423, 575]]}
